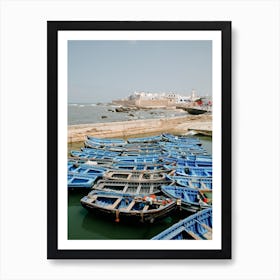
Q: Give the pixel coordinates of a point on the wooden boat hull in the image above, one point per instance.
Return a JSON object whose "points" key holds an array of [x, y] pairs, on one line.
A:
{"points": [[195, 111], [121, 207], [191, 160], [141, 166], [105, 141], [79, 181], [138, 159], [95, 162], [134, 176], [203, 183], [128, 187], [181, 140], [87, 170], [92, 156], [94, 151], [151, 139], [197, 226], [137, 147], [187, 199], [195, 171]]}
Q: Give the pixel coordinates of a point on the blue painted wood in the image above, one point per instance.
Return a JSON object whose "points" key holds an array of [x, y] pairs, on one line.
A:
{"points": [[198, 225], [189, 198]]}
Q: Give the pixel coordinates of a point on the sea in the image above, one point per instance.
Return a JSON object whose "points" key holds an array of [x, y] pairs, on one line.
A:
{"points": [[86, 113]]}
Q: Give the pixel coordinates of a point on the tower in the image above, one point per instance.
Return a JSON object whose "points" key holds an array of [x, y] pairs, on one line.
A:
{"points": [[193, 94]]}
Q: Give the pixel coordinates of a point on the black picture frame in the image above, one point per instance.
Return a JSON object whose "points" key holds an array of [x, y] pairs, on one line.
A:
{"points": [[53, 27]]}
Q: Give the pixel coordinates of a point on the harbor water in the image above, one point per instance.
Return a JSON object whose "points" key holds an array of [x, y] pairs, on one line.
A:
{"points": [[84, 225], [93, 113]]}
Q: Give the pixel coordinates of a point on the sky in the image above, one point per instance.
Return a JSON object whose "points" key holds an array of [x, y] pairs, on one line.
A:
{"points": [[100, 71]]}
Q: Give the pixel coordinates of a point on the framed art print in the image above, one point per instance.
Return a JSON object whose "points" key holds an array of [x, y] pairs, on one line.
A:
{"points": [[139, 140]]}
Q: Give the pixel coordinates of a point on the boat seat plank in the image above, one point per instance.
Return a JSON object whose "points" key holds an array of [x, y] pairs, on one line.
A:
{"points": [[203, 185], [206, 227], [174, 233], [125, 188], [93, 198], [116, 203], [191, 184], [193, 235], [146, 207], [129, 207], [138, 189], [208, 235]]}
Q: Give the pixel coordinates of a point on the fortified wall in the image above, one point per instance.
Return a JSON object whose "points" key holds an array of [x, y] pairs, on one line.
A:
{"points": [[145, 103]]}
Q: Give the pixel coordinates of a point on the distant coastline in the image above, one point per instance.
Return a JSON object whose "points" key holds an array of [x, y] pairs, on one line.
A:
{"points": [[139, 114]]}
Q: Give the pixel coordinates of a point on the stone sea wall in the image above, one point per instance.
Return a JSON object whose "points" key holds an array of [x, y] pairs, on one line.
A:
{"points": [[131, 128]]}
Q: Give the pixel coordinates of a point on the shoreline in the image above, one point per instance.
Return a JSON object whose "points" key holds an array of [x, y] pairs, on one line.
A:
{"points": [[125, 129]]}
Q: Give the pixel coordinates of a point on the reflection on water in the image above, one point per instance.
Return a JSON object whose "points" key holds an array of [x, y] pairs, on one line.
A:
{"points": [[105, 228], [83, 224]]}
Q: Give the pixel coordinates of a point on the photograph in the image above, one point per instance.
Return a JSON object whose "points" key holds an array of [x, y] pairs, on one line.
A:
{"points": [[139, 155], [136, 114]]}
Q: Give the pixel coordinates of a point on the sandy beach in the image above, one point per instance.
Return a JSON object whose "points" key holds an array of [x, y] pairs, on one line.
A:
{"points": [[125, 129]]}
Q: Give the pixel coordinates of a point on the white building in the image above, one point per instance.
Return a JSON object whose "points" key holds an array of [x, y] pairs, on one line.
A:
{"points": [[172, 97]]}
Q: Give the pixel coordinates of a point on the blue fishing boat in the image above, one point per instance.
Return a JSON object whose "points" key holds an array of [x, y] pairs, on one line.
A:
{"points": [[194, 171], [189, 160], [84, 155], [86, 170], [199, 160], [141, 166], [129, 187], [189, 199], [181, 146], [137, 159], [189, 171], [100, 152], [94, 162], [134, 176], [192, 182], [203, 185], [151, 139], [89, 144], [80, 181], [183, 152], [121, 148], [195, 227], [103, 145], [136, 147], [104, 141], [181, 139], [143, 152], [139, 208]]}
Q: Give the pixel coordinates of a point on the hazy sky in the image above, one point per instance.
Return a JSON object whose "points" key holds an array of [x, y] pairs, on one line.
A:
{"points": [[99, 71]]}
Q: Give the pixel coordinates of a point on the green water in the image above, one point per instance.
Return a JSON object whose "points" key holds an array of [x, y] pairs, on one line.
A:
{"points": [[87, 225]]}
